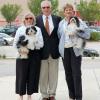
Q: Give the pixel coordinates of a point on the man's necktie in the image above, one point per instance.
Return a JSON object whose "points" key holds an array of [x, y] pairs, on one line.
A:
{"points": [[47, 25]]}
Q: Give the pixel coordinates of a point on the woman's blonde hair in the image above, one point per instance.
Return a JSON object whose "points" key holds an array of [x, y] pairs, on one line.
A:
{"points": [[29, 14]]}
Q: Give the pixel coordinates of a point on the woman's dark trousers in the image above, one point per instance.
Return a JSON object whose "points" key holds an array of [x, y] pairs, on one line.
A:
{"points": [[27, 74], [72, 66]]}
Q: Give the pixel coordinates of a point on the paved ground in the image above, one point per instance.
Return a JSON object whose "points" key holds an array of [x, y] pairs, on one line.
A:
{"points": [[90, 77]]}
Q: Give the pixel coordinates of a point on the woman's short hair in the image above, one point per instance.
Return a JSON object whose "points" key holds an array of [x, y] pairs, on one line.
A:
{"points": [[68, 6]]}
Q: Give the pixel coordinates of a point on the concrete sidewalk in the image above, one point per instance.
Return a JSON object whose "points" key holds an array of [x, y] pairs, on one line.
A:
{"points": [[90, 78]]}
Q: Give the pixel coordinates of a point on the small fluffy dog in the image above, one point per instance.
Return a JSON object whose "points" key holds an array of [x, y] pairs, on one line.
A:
{"points": [[27, 42], [73, 29], [31, 36]]}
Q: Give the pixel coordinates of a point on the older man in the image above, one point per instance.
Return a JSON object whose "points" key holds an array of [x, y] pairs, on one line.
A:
{"points": [[50, 54]]}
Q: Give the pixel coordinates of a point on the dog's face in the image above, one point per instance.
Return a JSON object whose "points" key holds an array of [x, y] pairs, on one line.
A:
{"points": [[74, 20], [73, 25], [31, 30]]}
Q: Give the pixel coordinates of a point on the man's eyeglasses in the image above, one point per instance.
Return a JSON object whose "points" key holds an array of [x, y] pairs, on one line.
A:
{"points": [[46, 7], [28, 18]]}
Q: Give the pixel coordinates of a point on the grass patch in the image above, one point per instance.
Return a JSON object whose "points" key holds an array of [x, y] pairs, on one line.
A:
{"points": [[95, 36]]}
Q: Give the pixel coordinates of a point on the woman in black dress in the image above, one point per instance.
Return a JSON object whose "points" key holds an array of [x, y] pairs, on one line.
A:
{"points": [[28, 70]]}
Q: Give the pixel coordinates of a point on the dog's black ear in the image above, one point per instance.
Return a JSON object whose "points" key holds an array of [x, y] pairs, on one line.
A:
{"points": [[24, 43], [18, 45], [34, 28], [27, 30], [27, 41], [80, 31], [21, 38], [77, 21]]}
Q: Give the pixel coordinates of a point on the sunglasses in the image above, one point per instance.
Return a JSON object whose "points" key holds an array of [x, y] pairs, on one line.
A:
{"points": [[46, 7], [28, 18]]}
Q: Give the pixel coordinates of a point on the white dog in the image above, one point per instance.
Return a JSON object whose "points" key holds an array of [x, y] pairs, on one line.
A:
{"points": [[27, 42], [73, 29]]}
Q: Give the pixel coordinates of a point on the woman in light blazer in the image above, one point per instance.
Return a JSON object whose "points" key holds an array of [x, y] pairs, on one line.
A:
{"points": [[71, 55]]}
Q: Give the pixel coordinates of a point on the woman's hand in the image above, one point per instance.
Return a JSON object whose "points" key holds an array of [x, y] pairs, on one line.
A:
{"points": [[23, 50]]}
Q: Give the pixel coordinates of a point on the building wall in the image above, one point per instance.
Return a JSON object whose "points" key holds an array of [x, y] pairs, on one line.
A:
{"points": [[73, 2], [23, 4], [24, 7], [63, 2]]}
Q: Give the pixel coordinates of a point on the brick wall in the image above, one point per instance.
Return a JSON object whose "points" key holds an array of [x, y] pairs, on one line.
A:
{"points": [[23, 4]]}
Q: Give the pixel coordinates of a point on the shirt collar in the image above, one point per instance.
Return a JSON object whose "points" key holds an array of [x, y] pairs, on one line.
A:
{"points": [[48, 16]]}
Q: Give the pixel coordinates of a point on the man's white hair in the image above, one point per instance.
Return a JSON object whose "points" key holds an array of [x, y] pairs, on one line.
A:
{"points": [[46, 2]]}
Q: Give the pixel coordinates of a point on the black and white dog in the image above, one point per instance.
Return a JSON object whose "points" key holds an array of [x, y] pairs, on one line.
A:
{"points": [[27, 42], [74, 31], [31, 36]]}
